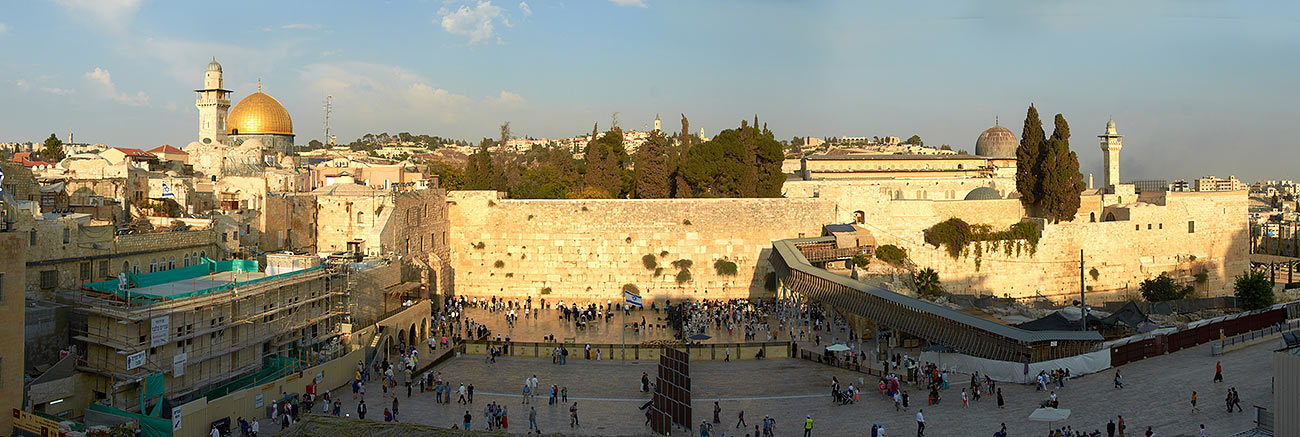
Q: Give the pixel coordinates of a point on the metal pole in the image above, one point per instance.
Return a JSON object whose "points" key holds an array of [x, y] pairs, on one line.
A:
{"points": [[624, 340], [1083, 304]]}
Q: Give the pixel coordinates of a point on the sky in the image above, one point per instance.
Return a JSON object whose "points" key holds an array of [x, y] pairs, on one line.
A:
{"points": [[1196, 87]]}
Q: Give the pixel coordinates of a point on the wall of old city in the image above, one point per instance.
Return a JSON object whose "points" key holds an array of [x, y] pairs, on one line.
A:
{"points": [[12, 270], [587, 250], [846, 191]]}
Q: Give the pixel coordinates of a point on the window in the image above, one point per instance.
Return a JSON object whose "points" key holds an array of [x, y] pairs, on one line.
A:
{"points": [[49, 279], [86, 271], [1137, 227], [187, 260], [1161, 226], [1191, 227], [1148, 226], [171, 262], [32, 240], [223, 237], [2, 287], [1092, 216], [103, 268], [67, 235]]}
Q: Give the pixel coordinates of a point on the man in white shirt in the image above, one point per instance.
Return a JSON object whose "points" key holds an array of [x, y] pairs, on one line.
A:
{"points": [[920, 423], [255, 428]]}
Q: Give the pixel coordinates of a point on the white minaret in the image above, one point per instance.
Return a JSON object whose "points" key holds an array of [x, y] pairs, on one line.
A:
{"points": [[1111, 142], [656, 122], [214, 104]]}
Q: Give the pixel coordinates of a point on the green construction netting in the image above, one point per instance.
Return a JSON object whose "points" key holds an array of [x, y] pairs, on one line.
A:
{"points": [[273, 368], [149, 426], [205, 267]]}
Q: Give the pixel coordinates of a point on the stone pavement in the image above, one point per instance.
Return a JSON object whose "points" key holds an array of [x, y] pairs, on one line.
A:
{"points": [[1157, 393]]}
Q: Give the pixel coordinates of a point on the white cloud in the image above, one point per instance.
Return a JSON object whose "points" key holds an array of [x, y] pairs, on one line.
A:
{"points": [[523, 6], [114, 15], [375, 97], [629, 3], [100, 79], [474, 23], [22, 84], [58, 91], [301, 26], [4, 28]]}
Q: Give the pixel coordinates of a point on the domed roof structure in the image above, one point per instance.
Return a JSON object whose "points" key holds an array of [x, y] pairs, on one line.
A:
{"points": [[997, 142], [983, 193], [259, 114], [214, 66]]}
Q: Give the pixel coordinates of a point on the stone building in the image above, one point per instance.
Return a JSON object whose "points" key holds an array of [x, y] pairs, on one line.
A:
{"points": [[12, 271]]}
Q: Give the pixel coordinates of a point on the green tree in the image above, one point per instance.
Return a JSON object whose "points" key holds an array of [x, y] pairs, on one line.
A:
{"points": [[927, 283], [1029, 160], [1163, 288], [314, 144], [606, 160], [914, 140], [53, 151], [742, 162], [479, 171], [652, 174], [1254, 290], [449, 178], [1061, 180]]}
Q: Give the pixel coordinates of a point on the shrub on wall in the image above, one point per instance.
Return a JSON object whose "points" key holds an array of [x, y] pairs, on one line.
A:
{"points": [[632, 288], [956, 236], [1162, 288], [546, 290], [479, 245], [649, 262], [724, 267], [1095, 274], [499, 264], [683, 276], [683, 264], [663, 253], [891, 254]]}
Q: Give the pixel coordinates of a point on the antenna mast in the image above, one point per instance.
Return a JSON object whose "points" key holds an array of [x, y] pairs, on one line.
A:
{"points": [[328, 98]]}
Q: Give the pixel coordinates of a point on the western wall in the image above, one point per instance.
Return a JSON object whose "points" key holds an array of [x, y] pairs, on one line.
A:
{"points": [[566, 250], [589, 249]]}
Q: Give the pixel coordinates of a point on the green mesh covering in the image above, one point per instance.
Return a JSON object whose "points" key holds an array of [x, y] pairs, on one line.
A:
{"points": [[204, 268], [149, 426], [274, 367]]}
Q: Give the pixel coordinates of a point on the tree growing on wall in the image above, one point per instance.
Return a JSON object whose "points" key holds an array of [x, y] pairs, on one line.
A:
{"points": [[1163, 288]]}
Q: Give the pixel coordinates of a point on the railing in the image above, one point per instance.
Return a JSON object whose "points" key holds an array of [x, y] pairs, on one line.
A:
{"points": [[1272, 330]]}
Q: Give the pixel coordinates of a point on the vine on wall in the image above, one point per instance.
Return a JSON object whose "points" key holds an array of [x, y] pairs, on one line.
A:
{"points": [[960, 239]]}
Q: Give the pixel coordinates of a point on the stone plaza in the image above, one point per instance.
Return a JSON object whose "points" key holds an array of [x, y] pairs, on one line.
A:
{"points": [[1157, 393]]}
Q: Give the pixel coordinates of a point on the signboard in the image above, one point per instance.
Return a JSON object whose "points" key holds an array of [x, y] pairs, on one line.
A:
{"points": [[135, 360], [178, 365], [257, 401], [160, 331], [167, 191], [176, 418], [631, 299], [30, 424], [320, 377]]}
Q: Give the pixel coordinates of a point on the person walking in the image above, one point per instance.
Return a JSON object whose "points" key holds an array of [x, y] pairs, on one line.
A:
{"points": [[461, 391], [740, 419], [1000, 402], [1218, 371], [573, 415], [964, 401], [920, 423], [532, 418], [716, 411], [361, 410], [1119, 382], [1194, 408], [807, 426]]}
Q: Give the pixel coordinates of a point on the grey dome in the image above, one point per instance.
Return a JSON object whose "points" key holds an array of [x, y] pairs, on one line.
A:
{"points": [[214, 66], [983, 193], [997, 142]]}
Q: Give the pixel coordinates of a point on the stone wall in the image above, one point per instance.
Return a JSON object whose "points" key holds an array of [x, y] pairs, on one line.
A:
{"points": [[588, 249], [12, 270]]}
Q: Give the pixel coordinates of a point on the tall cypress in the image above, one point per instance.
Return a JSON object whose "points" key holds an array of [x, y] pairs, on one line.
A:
{"points": [[1029, 161], [1061, 180], [652, 173]]}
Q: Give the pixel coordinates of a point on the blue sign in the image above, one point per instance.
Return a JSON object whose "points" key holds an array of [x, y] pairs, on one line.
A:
{"points": [[631, 299]]}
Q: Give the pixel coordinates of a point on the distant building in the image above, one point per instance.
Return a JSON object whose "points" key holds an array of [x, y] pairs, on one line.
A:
{"points": [[1180, 186], [1214, 183]]}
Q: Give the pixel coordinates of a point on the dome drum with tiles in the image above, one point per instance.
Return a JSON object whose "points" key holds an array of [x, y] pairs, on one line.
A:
{"points": [[262, 117], [997, 142]]}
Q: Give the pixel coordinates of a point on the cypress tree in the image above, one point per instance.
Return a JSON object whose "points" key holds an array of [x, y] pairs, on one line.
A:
{"points": [[652, 174], [1029, 161], [1062, 182], [747, 180]]}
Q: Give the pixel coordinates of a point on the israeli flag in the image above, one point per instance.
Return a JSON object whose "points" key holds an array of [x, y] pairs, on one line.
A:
{"points": [[167, 191], [631, 299]]}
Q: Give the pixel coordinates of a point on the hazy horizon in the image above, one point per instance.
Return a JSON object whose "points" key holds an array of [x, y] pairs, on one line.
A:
{"points": [[1196, 88]]}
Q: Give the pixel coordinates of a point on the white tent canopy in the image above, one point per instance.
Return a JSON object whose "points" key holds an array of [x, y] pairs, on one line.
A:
{"points": [[1049, 415]]}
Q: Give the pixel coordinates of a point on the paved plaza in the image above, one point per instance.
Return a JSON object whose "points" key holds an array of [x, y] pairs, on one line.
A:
{"points": [[1157, 393]]}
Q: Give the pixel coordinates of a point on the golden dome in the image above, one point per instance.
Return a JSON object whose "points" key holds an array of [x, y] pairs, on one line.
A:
{"points": [[259, 114]]}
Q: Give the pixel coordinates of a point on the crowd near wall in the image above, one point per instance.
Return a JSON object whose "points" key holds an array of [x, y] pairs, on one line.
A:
{"points": [[586, 250]]}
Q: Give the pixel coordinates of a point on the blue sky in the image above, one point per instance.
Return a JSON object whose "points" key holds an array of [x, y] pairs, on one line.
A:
{"points": [[1197, 87]]}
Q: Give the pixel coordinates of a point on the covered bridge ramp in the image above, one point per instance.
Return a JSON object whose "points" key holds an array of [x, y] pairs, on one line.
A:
{"points": [[937, 324]]}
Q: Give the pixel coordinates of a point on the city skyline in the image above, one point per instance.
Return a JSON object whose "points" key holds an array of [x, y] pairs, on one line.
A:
{"points": [[1196, 89]]}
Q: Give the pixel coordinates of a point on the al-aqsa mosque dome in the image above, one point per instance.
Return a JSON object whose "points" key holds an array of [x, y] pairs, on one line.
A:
{"points": [[262, 117], [997, 142]]}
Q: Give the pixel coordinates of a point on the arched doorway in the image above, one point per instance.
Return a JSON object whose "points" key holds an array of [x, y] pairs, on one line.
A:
{"points": [[424, 329], [411, 332]]}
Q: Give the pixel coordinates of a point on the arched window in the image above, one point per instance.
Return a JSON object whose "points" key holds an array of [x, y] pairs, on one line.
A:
{"points": [[126, 267], [171, 262], [203, 254], [187, 260], [1092, 216], [360, 216]]}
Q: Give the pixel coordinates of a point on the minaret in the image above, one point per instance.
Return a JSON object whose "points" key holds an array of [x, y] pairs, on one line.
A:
{"points": [[1111, 142], [656, 122], [214, 104]]}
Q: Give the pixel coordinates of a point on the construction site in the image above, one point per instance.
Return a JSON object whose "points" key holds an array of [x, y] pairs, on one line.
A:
{"points": [[207, 326]]}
